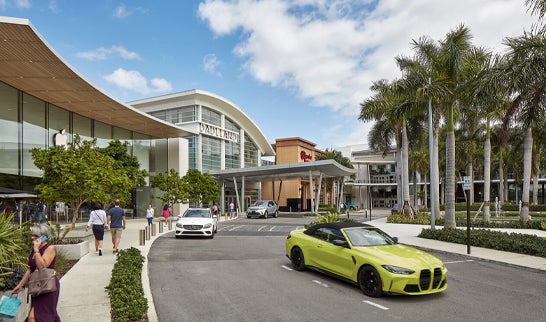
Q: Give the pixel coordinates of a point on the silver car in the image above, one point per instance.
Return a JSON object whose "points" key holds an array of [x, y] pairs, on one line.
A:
{"points": [[197, 222], [263, 209]]}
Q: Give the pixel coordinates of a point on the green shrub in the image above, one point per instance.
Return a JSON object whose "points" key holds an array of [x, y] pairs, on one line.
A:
{"points": [[329, 217], [508, 242], [15, 246], [127, 301]]}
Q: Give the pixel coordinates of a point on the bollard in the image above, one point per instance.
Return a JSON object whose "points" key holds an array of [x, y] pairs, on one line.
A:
{"points": [[160, 224], [170, 225], [147, 232], [141, 237], [153, 229]]}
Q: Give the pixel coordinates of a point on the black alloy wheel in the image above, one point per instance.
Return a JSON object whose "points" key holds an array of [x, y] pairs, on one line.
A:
{"points": [[297, 259], [370, 281], [276, 214], [265, 214]]}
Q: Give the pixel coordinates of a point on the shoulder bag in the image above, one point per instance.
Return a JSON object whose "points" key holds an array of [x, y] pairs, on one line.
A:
{"points": [[42, 281]]}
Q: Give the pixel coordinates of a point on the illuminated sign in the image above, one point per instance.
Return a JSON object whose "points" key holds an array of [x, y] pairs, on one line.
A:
{"points": [[218, 132], [305, 157]]}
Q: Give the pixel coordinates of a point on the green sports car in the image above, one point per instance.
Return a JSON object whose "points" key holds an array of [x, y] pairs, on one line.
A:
{"points": [[367, 256]]}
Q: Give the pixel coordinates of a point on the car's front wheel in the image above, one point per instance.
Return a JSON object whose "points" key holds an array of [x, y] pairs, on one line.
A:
{"points": [[265, 214], [370, 281], [297, 259]]}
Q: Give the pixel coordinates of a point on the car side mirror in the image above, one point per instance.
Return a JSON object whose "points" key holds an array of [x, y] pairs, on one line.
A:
{"points": [[342, 243]]}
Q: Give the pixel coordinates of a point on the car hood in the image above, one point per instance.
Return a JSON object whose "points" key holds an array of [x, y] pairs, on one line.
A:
{"points": [[256, 207], [400, 255], [194, 221]]}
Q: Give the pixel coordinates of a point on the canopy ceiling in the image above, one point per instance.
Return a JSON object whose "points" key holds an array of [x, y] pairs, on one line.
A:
{"points": [[29, 64]]}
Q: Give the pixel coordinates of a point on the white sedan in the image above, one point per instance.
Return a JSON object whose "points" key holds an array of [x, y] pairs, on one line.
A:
{"points": [[197, 222]]}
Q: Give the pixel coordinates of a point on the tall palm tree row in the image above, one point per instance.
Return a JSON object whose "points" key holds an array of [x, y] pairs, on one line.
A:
{"points": [[470, 91]]}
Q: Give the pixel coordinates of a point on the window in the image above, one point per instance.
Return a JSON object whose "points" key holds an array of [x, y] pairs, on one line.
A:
{"points": [[211, 117]]}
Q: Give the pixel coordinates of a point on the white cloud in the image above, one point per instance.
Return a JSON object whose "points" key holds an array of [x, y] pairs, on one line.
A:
{"points": [[134, 81], [331, 51], [123, 12], [211, 63], [23, 4], [104, 53]]}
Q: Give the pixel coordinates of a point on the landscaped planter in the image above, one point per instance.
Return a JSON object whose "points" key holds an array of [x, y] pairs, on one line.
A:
{"points": [[73, 251]]}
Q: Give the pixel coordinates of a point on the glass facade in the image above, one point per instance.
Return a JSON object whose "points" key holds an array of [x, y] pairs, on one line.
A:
{"points": [[251, 153], [211, 153], [210, 116], [28, 122], [233, 154]]}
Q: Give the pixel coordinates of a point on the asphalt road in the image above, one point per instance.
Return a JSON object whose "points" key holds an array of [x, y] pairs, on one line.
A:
{"points": [[243, 275]]}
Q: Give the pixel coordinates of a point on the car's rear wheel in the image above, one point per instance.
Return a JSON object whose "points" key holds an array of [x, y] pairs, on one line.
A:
{"points": [[248, 217], [370, 281], [265, 214], [297, 259]]}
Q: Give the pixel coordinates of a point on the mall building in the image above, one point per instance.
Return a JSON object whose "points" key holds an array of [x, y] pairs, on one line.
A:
{"points": [[41, 96]]}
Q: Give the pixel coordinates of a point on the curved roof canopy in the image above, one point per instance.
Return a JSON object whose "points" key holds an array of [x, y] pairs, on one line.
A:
{"points": [[213, 101], [29, 64]]}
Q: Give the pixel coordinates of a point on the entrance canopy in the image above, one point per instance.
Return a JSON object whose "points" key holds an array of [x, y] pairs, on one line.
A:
{"points": [[326, 168], [7, 193], [302, 170]]}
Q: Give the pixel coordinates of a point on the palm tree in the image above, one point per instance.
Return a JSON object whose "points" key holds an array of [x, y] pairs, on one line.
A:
{"points": [[523, 69], [453, 50]]}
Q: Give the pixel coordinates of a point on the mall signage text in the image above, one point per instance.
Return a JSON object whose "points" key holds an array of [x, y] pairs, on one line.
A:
{"points": [[218, 132]]}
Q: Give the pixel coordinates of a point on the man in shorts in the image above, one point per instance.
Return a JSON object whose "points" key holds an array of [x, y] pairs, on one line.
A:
{"points": [[116, 221]]}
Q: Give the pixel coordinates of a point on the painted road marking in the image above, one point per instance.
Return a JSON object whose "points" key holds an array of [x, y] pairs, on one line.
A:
{"points": [[376, 305], [286, 268], [263, 227], [272, 228], [320, 283]]}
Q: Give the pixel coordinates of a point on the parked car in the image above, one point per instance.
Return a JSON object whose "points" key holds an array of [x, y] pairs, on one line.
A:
{"points": [[350, 206], [197, 222], [367, 257], [263, 209]]}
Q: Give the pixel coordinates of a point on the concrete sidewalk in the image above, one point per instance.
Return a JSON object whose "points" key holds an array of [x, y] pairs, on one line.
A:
{"points": [[83, 296]]}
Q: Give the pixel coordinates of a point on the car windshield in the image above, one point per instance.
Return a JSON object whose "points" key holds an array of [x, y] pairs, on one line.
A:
{"points": [[197, 213], [359, 236], [260, 203]]}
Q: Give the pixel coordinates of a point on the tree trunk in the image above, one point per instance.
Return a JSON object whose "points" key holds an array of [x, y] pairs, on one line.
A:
{"points": [[486, 179], [425, 201], [502, 197], [536, 173], [527, 163], [435, 177], [450, 181], [405, 174]]}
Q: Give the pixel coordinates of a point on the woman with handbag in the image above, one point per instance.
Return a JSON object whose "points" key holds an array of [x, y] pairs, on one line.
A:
{"points": [[97, 219], [43, 306]]}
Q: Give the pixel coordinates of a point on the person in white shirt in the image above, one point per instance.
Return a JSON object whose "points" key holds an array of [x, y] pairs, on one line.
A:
{"points": [[150, 214], [97, 220]]}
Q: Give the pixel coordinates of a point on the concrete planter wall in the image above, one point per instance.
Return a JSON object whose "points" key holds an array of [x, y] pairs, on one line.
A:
{"points": [[74, 251]]}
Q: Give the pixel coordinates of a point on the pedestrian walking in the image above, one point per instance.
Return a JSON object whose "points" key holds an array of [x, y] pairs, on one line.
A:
{"points": [[231, 209], [43, 307], [97, 220], [150, 214], [166, 213], [117, 223]]}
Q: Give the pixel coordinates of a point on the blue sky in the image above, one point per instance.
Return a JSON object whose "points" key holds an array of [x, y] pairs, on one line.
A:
{"points": [[298, 68]]}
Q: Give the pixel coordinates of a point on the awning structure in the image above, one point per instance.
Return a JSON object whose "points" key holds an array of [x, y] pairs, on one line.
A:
{"points": [[8, 193], [301, 170], [29, 64]]}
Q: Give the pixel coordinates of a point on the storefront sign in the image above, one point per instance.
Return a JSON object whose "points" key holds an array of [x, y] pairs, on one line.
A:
{"points": [[218, 132], [305, 157]]}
